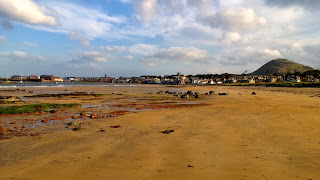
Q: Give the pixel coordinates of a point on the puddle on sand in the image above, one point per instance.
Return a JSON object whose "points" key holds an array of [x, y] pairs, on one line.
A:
{"points": [[93, 106]]}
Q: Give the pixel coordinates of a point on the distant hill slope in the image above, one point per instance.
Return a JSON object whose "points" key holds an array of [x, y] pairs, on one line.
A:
{"points": [[281, 66]]}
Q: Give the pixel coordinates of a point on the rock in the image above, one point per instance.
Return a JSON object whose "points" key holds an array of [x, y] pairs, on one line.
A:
{"points": [[72, 123], [196, 96], [93, 116], [14, 122], [116, 126], [189, 92], [76, 129], [45, 121], [159, 92], [83, 113], [211, 92], [253, 93], [185, 96], [55, 111], [167, 131], [223, 94], [3, 130]]}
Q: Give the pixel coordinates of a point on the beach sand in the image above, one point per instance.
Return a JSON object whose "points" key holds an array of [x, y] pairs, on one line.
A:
{"points": [[274, 134]]}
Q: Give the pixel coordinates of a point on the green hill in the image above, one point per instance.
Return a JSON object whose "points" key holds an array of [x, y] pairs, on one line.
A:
{"points": [[281, 67]]}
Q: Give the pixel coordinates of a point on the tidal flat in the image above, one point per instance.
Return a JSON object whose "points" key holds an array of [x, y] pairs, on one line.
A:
{"points": [[158, 131]]}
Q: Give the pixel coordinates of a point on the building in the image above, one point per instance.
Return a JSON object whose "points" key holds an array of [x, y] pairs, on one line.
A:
{"points": [[34, 78], [47, 78], [18, 78], [58, 79]]}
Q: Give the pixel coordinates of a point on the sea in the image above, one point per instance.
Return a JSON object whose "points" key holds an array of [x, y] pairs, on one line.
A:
{"points": [[60, 84]]}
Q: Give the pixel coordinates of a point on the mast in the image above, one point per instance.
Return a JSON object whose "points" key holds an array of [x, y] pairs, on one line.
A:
{"points": [[21, 79]]}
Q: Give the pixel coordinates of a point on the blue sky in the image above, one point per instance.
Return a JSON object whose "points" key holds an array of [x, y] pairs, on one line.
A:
{"points": [[154, 37]]}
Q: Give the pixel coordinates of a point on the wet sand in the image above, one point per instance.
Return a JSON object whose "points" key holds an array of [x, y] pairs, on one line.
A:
{"points": [[272, 135]]}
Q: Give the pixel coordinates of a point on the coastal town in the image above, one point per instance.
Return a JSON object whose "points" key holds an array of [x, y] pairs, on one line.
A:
{"points": [[200, 79]]}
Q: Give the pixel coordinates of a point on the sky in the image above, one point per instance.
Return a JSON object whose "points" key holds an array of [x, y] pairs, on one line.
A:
{"points": [[155, 37]]}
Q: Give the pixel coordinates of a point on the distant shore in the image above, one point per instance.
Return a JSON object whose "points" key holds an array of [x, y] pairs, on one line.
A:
{"points": [[14, 84]]}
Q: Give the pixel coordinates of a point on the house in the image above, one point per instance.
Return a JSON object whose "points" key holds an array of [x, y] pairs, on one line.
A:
{"points": [[251, 80], [72, 79], [194, 80], [157, 81], [58, 79], [34, 78], [47, 78], [18, 78]]}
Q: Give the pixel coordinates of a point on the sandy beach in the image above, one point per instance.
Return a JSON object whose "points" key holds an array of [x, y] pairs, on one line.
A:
{"points": [[274, 134]]}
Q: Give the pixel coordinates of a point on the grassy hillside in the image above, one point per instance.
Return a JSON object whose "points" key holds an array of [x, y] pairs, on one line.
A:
{"points": [[281, 66]]}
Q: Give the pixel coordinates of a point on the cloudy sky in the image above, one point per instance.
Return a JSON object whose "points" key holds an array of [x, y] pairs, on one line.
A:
{"points": [[154, 37]]}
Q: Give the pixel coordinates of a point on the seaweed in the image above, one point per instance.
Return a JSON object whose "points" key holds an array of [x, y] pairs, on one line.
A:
{"points": [[33, 108]]}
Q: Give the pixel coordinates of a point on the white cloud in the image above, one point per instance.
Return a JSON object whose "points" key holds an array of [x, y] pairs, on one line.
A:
{"points": [[21, 56], [129, 57], [308, 4], [81, 22], [95, 67], [269, 52], [234, 19], [2, 38], [146, 10], [230, 38], [151, 55], [84, 42], [26, 11], [177, 54], [126, 1], [143, 49], [30, 44], [304, 54], [6, 25], [230, 3], [117, 49], [196, 34], [291, 28], [91, 56], [249, 56]]}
